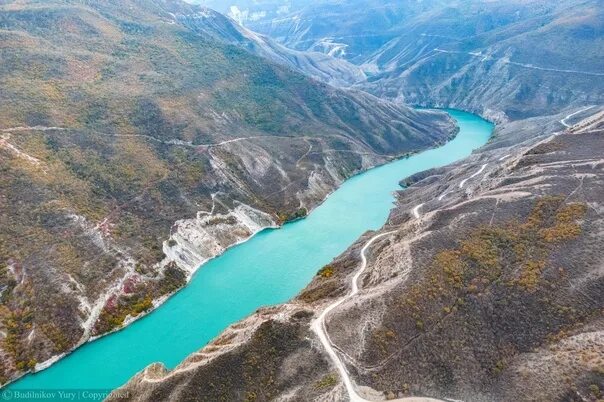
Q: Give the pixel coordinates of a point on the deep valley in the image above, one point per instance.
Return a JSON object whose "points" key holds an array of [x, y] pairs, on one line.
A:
{"points": [[140, 139]]}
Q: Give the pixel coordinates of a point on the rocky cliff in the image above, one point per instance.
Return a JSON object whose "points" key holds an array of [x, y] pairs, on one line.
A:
{"points": [[485, 284]]}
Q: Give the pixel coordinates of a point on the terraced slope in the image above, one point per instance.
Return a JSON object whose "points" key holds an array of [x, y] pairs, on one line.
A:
{"points": [[134, 147]]}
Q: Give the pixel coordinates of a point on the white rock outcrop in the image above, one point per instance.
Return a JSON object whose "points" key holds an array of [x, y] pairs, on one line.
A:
{"points": [[195, 241]]}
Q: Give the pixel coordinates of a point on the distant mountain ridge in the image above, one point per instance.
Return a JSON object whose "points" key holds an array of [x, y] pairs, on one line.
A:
{"points": [[526, 58], [484, 285], [314, 64]]}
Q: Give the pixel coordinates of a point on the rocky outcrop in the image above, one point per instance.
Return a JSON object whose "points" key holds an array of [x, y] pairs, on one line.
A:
{"points": [[194, 241], [490, 290]]}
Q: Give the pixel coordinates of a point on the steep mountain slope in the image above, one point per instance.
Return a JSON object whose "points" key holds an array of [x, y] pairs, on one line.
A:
{"points": [[134, 146], [485, 284], [317, 65], [508, 61], [343, 29], [505, 60], [348, 29]]}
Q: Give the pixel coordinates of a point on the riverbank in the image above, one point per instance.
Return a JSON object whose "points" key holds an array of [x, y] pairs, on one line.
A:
{"points": [[274, 333], [206, 292]]}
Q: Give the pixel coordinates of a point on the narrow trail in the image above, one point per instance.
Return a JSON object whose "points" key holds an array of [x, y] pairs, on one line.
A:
{"points": [[486, 57], [415, 210], [4, 143], [31, 128], [189, 144], [185, 143], [463, 182], [300, 159], [563, 121], [233, 140], [318, 326]]}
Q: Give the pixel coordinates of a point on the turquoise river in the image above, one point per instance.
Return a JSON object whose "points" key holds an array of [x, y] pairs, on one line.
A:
{"points": [[270, 268]]}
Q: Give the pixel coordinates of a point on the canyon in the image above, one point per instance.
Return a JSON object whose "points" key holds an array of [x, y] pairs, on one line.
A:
{"points": [[141, 141], [135, 147], [490, 287]]}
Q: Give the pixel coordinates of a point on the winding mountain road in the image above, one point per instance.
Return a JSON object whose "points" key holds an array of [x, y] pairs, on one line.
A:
{"points": [[563, 121], [486, 57], [415, 210], [318, 325], [463, 182]]}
